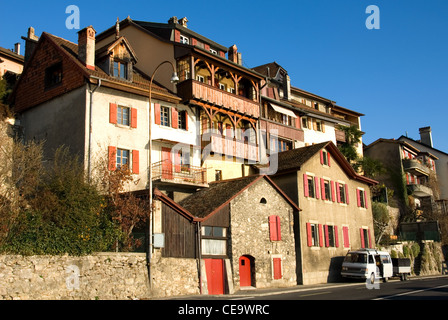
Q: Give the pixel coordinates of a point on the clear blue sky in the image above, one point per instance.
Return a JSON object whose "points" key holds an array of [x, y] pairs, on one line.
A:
{"points": [[397, 75]]}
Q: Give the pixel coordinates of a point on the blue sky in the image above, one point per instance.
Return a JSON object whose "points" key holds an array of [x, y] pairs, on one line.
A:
{"points": [[396, 76]]}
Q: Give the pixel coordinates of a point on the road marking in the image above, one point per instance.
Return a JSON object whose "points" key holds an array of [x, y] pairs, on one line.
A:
{"points": [[314, 294], [410, 292]]}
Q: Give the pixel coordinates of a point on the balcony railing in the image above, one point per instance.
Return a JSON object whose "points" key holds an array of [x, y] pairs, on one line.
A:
{"points": [[420, 190], [230, 147], [192, 89], [414, 166], [166, 171]]}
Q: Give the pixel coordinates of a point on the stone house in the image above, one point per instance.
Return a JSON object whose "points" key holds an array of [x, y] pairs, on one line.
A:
{"points": [[241, 231], [336, 212]]}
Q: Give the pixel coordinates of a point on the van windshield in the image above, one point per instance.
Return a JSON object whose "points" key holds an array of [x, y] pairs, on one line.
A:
{"points": [[356, 257]]}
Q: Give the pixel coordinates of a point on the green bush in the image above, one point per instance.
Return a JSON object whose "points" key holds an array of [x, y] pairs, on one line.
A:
{"points": [[64, 215]]}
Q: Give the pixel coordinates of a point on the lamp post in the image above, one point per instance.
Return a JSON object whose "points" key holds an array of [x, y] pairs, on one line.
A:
{"points": [[174, 79]]}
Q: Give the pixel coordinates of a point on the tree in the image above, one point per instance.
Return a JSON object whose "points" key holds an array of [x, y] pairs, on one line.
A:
{"points": [[125, 207], [381, 219]]}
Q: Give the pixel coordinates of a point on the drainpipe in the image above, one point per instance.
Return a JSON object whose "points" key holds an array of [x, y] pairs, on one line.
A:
{"points": [[90, 128], [198, 224]]}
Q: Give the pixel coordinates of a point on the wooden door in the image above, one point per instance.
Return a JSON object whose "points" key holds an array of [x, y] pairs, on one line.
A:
{"points": [[245, 272], [167, 164], [215, 275]]}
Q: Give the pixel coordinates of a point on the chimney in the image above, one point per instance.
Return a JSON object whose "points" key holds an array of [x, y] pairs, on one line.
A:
{"points": [[86, 47], [30, 43], [17, 48], [233, 54], [287, 88], [183, 22], [426, 136]]}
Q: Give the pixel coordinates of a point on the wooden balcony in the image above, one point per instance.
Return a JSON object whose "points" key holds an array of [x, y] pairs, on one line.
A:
{"points": [[167, 172], [195, 90], [231, 147], [415, 167]]}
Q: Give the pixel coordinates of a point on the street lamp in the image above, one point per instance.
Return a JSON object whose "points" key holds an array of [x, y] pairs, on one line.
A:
{"points": [[174, 79]]}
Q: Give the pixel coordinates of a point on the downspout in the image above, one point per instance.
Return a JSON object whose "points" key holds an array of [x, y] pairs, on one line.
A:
{"points": [[89, 169], [198, 224]]}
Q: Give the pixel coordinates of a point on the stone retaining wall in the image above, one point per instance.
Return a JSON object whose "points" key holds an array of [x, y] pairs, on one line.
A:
{"points": [[103, 276]]}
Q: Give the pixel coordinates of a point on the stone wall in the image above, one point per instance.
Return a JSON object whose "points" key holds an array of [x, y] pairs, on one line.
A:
{"points": [[102, 276]]}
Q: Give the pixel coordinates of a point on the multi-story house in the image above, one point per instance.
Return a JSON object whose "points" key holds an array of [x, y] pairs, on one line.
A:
{"points": [[336, 210], [425, 144], [11, 61], [91, 99], [301, 118], [409, 172], [222, 95]]}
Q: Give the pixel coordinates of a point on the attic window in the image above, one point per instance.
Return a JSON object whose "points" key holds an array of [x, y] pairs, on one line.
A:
{"points": [[53, 75], [120, 70], [263, 201]]}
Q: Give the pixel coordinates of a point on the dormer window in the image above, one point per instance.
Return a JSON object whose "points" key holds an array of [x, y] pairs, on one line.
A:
{"points": [[184, 40], [120, 70]]}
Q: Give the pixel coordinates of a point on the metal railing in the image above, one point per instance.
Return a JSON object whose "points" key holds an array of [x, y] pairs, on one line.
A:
{"points": [[166, 171]]}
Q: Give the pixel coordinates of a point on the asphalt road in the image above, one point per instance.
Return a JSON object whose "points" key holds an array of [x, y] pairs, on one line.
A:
{"points": [[429, 288]]}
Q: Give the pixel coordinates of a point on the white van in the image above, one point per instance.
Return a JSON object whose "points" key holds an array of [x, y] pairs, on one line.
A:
{"points": [[367, 264]]}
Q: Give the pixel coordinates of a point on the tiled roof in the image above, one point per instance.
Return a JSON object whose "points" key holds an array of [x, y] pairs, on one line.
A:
{"points": [[204, 203], [295, 158], [140, 80]]}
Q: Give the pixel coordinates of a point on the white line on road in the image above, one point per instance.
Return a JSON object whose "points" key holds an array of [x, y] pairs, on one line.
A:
{"points": [[410, 292]]}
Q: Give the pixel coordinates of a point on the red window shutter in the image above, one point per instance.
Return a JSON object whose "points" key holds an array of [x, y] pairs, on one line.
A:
{"points": [[309, 235], [321, 157], [113, 113], [316, 187], [186, 119], [174, 118], [365, 200], [279, 229], [336, 236], [337, 192], [135, 162], [298, 122], [327, 239], [322, 187], [346, 237], [321, 236], [176, 35], [275, 228], [177, 162], [346, 194], [133, 118], [305, 185], [157, 113], [112, 158], [363, 245], [333, 195], [277, 262], [329, 159]]}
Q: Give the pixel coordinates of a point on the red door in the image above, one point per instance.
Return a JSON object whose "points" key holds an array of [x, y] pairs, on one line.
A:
{"points": [[245, 272], [167, 164], [215, 275]]}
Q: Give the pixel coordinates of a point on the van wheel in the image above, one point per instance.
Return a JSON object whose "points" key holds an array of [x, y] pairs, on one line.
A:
{"points": [[385, 279], [372, 278]]}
